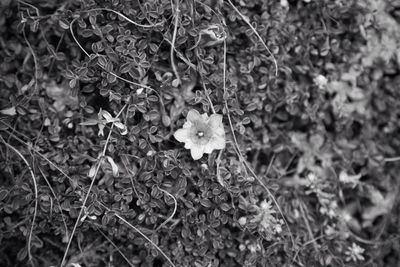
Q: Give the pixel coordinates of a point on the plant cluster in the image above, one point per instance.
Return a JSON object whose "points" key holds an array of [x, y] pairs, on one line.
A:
{"points": [[199, 133]]}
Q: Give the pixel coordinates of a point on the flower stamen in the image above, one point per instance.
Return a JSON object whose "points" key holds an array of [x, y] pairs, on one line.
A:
{"points": [[200, 134]]}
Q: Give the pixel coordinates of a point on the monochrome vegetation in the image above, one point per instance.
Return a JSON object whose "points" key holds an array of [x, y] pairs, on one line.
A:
{"points": [[199, 133]]}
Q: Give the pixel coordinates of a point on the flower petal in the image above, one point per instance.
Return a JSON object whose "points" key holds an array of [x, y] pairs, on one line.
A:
{"points": [[182, 135], [208, 149], [187, 124], [107, 115], [216, 142], [114, 167], [215, 121], [193, 116], [217, 126], [188, 144], [197, 152], [219, 131]]}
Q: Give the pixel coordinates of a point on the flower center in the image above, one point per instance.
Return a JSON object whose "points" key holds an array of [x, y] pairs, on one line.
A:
{"points": [[200, 133]]}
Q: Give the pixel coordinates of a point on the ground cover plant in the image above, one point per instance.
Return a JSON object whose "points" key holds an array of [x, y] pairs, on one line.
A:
{"points": [[199, 133]]}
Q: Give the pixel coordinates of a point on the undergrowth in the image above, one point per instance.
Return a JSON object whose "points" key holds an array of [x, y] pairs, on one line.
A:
{"points": [[93, 91]]}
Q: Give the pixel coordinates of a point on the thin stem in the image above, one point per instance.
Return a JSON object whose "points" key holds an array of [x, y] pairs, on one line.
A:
{"points": [[99, 163], [30, 5], [110, 72], [124, 17], [240, 155], [310, 233], [177, 13], [208, 98], [57, 48], [56, 198], [145, 237], [36, 195], [246, 20], [99, 202], [392, 159], [115, 246], [35, 62], [173, 212], [80, 213]]}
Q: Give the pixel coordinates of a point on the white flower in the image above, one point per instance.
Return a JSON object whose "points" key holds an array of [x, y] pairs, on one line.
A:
{"points": [[254, 247], [354, 253], [346, 178], [266, 219], [321, 81], [104, 117], [242, 221], [330, 230], [201, 134], [278, 228]]}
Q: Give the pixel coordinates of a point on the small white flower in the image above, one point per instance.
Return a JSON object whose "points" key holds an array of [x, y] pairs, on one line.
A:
{"points": [[321, 81], [254, 247], [330, 230], [242, 221], [265, 217], [278, 228], [352, 180], [202, 134], [311, 177], [204, 166], [104, 117], [266, 206], [354, 253]]}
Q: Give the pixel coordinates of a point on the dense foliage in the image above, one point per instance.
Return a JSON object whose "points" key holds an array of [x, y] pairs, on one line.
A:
{"points": [[92, 91]]}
